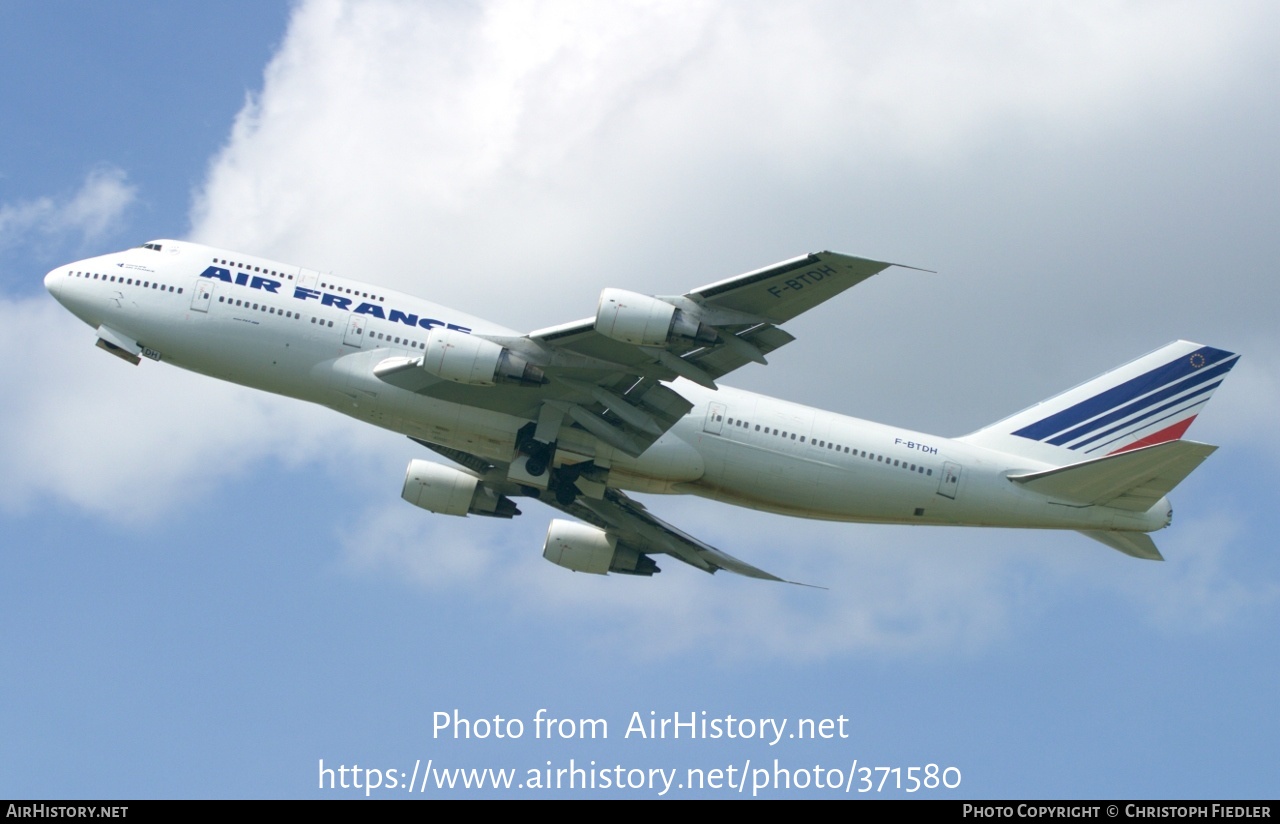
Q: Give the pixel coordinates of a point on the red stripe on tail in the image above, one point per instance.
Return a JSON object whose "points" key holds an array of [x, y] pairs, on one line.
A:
{"points": [[1171, 433]]}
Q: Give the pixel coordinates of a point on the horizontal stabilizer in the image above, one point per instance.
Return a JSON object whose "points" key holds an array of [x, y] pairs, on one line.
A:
{"points": [[1137, 544], [1132, 480]]}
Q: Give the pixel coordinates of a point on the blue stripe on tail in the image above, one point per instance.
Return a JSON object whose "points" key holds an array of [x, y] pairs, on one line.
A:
{"points": [[1124, 395]]}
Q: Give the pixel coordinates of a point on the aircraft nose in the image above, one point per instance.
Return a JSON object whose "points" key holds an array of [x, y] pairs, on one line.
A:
{"points": [[53, 282]]}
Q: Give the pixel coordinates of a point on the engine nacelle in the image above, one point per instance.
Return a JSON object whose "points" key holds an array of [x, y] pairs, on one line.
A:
{"points": [[463, 358], [646, 321], [448, 491], [584, 548]]}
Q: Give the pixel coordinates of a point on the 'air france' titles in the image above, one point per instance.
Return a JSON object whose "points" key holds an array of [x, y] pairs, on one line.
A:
{"points": [[327, 299]]}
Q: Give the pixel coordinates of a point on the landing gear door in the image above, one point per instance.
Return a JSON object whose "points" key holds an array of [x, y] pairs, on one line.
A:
{"points": [[202, 295], [715, 418], [355, 331], [949, 483]]}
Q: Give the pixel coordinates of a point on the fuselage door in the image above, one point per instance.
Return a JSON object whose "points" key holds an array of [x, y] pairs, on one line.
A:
{"points": [[355, 331], [202, 295], [949, 483], [715, 418], [307, 278]]}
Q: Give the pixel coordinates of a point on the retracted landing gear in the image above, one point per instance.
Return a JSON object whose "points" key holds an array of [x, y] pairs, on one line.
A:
{"points": [[540, 455], [533, 458], [566, 493], [564, 482]]}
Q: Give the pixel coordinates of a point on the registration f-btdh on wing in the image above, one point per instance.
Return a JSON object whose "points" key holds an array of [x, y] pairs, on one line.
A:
{"points": [[630, 400]]}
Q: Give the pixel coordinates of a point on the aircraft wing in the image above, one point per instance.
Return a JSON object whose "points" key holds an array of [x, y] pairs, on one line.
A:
{"points": [[746, 309], [620, 516], [608, 374]]}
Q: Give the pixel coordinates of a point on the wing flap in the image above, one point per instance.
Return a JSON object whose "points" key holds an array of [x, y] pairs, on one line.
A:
{"points": [[724, 359]]}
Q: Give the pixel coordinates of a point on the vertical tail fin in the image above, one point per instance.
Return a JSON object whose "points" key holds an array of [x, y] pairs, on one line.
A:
{"points": [[1146, 401]]}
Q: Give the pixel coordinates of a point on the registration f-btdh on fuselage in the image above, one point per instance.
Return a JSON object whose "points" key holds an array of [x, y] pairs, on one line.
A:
{"points": [[629, 399]]}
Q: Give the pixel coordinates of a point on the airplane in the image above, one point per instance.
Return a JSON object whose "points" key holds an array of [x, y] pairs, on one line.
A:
{"points": [[630, 400]]}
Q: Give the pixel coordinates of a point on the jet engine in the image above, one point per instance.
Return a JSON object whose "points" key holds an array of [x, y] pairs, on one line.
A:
{"points": [[584, 548], [646, 321], [447, 491], [463, 358]]}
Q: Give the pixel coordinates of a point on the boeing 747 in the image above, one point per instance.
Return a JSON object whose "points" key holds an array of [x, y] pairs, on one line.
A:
{"points": [[630, 400]]}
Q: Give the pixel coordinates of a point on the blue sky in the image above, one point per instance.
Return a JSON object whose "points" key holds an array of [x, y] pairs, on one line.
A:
{"points": [[205, 591]]}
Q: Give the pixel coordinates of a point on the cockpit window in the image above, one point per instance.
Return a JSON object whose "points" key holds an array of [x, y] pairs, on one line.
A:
{"points": [[155, 246]]}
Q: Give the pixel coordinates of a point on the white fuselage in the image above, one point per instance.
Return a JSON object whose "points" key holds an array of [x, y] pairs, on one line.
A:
{"points": [[296, 332]]}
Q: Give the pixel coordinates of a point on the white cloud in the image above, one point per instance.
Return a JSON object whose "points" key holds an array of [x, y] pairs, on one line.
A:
{"points": [[87, 215], [565, 143], [511, 159]]}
